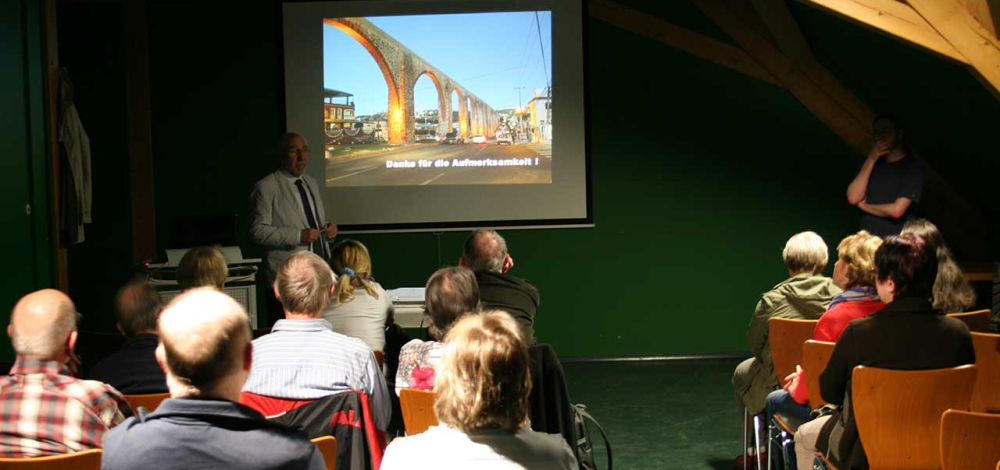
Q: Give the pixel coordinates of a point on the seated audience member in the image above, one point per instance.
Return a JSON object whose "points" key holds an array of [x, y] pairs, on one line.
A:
{"points": [[482, 399], [43, 409], [854, 272], [203, 266], [361, 306], [303, 359], [803, 296], [486, 255], [908, 334], [952, 292], [450, 294], [206, 353], [133, 369]]}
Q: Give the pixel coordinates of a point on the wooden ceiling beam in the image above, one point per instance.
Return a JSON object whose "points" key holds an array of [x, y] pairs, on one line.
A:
{"points": [[986, 12], [851, 130], [895, 19], [960, 28], [675, 36]]}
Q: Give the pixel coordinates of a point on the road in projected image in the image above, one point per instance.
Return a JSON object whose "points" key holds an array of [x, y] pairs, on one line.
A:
{"points": [[444, 164]]}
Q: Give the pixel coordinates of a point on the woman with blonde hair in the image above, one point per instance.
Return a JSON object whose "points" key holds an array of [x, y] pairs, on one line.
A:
{"points": [[202, 266], [482, 400], [952, 293], [360, 306]]}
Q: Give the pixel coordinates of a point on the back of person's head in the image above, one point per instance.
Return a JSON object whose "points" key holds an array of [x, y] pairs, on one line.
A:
{"points": [[304, 284], [910, 263], [204, 344], [483, 380], [858, 252], [137, 308], [485, 250], [202, 266], [450, 293], [952, 292], [805, 252], [43, 325], [351, 261]]}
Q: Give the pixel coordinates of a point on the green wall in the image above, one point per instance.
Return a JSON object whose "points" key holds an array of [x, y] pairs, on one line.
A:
{"points": [[700, 174], [24, 176]]}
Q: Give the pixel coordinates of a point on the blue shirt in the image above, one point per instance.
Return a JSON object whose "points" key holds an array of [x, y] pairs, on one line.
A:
{"points": [[305, 360]]}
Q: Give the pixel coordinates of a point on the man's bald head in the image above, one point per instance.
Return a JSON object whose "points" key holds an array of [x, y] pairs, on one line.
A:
{"points": [[485, 250], [138, 308], [41, 325], [205, 339]]}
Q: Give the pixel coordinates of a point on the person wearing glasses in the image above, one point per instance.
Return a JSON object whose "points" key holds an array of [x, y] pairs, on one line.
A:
{"points": [[288, 213]]}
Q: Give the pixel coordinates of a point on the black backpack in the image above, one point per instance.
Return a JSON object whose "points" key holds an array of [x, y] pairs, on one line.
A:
{"points": [[584, 444]]}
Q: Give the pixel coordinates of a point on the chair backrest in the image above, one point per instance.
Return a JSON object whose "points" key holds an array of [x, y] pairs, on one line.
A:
{"points": [[815, 355], [149, 402], [969, 440], [418, 410], [899, 412], [379, 357], [976, 321], [328, 448], [86, 460], [986, 395], [786, 337]]}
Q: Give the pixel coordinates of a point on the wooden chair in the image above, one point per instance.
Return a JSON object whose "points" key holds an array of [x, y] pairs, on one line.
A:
{"points": [[986, 394], [86, 460], [328, 448], [899, 412], [379, 357], [149, 402], [418, 410], [969, 440], [978, 321], [786, 337], [815, 355]]}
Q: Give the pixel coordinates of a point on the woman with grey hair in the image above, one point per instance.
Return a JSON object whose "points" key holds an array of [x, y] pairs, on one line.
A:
{"points": [[803, 296]]}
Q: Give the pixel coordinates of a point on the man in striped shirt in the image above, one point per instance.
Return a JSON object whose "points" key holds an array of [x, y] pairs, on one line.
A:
{"points": [[44, 410], [303, 359]]}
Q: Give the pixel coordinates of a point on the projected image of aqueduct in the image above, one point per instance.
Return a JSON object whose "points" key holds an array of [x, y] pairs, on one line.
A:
{"points": [[401, 68]]}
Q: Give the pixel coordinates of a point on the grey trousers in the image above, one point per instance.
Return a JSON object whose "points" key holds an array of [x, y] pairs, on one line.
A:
{"points": [[741, 377], [805, 442]]}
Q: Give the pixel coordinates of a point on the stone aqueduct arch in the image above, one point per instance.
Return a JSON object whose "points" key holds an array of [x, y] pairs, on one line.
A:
{"points": [[401, 68]]}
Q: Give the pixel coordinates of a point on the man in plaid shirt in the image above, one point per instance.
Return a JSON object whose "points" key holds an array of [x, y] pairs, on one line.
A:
{"points": [[44, 410]]}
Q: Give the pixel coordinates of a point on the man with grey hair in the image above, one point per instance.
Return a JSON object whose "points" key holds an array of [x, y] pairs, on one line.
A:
{"points": [[45, 410], [303, 359], [206, 353], [288, 212], [803, 296], [486, 254], [133, 369]]}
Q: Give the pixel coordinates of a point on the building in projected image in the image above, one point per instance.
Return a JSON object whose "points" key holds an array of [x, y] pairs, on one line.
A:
{"points": [[338, 115], [540, 115]]}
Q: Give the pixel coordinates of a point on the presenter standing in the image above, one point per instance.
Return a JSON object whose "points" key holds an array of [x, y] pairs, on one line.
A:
{"points": [[288, 214]]}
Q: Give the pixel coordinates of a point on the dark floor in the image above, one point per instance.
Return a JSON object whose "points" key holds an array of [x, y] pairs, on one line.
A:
{"points": [[661, 414]]}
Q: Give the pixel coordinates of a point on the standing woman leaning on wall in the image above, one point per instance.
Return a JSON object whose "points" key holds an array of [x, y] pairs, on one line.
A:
{"points": [[360, 306]]}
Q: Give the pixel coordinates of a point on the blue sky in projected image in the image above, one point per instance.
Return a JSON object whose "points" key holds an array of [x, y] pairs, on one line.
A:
{"points": [[490, 54]]}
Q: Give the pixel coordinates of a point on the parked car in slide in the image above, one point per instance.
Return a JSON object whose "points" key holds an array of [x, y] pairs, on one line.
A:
{"points": [[453, 138], [479, 139], [504, 139]]}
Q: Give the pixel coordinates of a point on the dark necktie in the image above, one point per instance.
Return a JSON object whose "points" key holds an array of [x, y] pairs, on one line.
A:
{"points": [[318, 245]]}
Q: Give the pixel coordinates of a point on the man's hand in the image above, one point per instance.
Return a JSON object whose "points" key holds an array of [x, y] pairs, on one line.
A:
{"points": [[308, 235], [330, 230], [879, 149]]}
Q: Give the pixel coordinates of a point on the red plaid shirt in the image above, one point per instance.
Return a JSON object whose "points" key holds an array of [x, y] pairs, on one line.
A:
{"points": [[46, 411]]}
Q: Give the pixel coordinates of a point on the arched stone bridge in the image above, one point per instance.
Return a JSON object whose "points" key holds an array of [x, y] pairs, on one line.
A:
{"points": [[401, 68]]}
